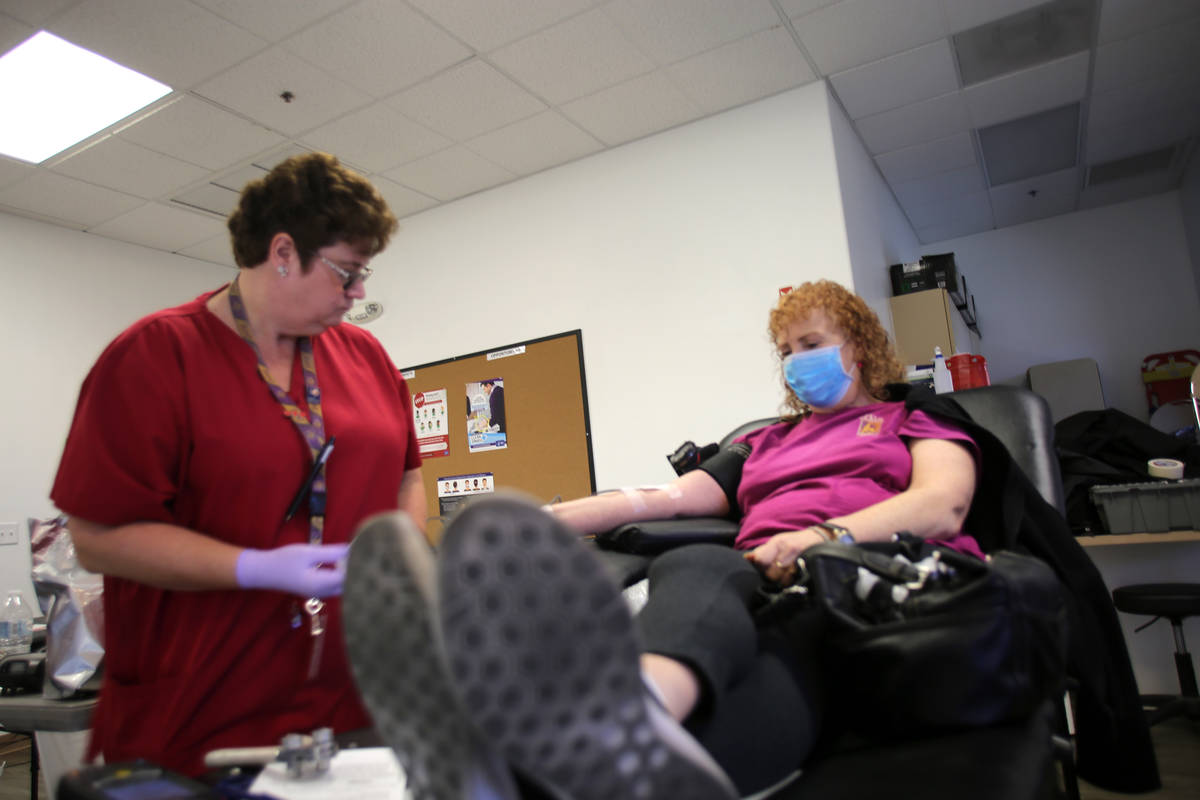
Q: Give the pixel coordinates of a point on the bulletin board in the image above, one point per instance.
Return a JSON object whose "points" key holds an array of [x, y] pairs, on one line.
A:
{"points": [[547, 443]]}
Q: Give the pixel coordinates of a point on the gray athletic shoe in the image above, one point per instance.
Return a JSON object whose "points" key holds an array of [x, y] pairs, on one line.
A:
{"points": [[396, 657], [544, 656]]}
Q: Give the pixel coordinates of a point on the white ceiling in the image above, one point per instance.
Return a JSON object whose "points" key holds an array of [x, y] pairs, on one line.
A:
{"points": [[437, 99]]}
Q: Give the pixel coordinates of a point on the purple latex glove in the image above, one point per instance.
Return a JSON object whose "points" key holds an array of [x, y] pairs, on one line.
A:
{"points": [[295, 568]]}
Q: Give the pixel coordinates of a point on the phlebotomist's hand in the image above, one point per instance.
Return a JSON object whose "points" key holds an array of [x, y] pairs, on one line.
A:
{"points": [[307, 570]]}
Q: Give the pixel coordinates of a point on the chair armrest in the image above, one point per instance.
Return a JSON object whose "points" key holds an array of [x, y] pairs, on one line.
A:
{"points": [[655, 536]]}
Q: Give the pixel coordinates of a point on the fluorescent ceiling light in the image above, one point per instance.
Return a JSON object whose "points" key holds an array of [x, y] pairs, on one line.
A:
{"points": [[55, 94]]}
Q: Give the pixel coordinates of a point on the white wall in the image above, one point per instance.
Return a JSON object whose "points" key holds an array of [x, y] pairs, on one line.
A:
{"points": [[66, 295], [1189, 206], [667, 253], [877, 232], [1114, 284]]}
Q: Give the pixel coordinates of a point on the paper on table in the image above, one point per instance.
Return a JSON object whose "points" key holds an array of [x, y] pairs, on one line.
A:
{"points": [[365, 773]]}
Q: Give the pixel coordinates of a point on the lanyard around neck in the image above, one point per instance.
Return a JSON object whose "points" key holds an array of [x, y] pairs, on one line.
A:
{"points": [[312, 431]]}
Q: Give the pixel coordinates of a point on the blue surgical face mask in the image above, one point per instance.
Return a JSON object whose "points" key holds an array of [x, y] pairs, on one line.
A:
{"points": [[817, 376]]}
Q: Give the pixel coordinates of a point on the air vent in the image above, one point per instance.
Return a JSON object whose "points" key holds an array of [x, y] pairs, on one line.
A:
{"points": [[1041, 34], [1034, 145], [1119, 169]]}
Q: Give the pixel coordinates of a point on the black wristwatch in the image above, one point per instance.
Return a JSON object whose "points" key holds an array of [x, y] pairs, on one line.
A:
{"points": [[837, 532]]}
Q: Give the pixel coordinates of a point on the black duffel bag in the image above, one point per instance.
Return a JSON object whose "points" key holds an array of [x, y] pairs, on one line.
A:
{"points": [[924, 639]]}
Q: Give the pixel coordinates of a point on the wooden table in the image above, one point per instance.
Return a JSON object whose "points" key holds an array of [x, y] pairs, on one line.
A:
{"points": [[1138, 538]]}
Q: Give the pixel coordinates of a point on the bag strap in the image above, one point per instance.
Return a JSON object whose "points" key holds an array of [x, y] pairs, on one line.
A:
{"points": [[884, 564]]}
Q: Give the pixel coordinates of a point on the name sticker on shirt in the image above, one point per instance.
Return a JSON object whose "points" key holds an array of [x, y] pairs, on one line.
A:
{"points": [[870, 425]]}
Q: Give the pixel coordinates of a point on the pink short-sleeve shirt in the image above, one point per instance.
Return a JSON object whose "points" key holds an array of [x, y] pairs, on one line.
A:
{"points": [[829, 465]]}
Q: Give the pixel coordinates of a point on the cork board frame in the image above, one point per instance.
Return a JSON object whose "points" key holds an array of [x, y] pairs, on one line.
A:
{"points": [[549, 440]]}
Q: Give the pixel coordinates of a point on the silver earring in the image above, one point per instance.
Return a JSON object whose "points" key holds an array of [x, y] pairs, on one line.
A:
{"points": [[282, 270]]}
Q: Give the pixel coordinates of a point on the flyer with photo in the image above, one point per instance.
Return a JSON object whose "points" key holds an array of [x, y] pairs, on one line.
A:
{"points": [[487, 427], [454, 490]]}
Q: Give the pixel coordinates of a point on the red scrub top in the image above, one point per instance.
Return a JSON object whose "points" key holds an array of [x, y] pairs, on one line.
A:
{"points": [[175, 425]]}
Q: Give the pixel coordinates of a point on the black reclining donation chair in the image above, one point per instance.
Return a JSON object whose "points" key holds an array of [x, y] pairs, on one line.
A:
{"points": [[1010, 761]]}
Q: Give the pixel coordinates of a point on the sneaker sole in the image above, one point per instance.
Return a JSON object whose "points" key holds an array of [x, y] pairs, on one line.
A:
{"points": [[545, 658], [391, 641]]}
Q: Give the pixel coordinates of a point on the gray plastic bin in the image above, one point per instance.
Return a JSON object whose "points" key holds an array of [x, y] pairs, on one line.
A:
{"points": [[1149, 507]]}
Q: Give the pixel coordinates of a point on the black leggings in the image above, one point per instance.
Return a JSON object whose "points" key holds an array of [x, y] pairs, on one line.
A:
{"points": [[760, 709]]}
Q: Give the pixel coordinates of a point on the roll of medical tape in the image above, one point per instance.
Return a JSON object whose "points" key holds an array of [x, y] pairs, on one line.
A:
{"points": [[1165, 468]]}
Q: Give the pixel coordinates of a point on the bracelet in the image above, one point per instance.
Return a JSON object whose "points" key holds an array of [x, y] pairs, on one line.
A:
{"points": [[834, 532]]}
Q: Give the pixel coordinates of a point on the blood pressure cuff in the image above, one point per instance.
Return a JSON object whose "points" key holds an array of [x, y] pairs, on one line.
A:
{"points": [[726, 469]]}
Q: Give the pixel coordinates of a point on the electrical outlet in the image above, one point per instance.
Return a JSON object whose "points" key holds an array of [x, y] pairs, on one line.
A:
{"points": [[10, 533]]}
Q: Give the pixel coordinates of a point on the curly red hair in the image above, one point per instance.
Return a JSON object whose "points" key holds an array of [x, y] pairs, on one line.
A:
{"points": [[855, 319]]}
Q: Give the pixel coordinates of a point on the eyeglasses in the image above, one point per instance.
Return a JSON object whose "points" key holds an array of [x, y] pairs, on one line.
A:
{"points": [[348, 278]]}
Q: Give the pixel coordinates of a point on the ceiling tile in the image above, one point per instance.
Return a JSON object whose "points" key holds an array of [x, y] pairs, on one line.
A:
{"points": [[216, 250], [573, 59], [974, 208], [378, 46], [647, 104], [1123, 18], [1142, 134], [12, 170], [913, 124], [759, 65], [1028, 92], [12, 33], [1036, 198], [1170, 94], [837, 39], [449, 174], [1127, 62], [672, 30], [466, 100], [127, 167], [964, 14], [200, 133], [253, 88], [376, 138], [951, 184], [36, 12], [486, 26], [172, 41], [161, 227], [402, 200], [210, 197], [534, 144], [274, 158], [927, 159], [67, 199], [910, 77], [1131, 188], [272, 19]]}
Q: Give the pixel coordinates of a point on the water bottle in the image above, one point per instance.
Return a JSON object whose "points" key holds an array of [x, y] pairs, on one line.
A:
{"points": [[942, 382], [16, 626]]}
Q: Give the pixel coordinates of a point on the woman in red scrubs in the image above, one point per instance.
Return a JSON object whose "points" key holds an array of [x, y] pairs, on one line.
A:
{"points": [[221, 456]]}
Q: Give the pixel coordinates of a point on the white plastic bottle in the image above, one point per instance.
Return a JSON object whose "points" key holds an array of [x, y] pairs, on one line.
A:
{"points": [[942, 382], [16, 625]]}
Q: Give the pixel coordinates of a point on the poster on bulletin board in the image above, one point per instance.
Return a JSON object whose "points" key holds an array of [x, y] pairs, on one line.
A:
{"points": [[486, 420], [432, 423]]}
